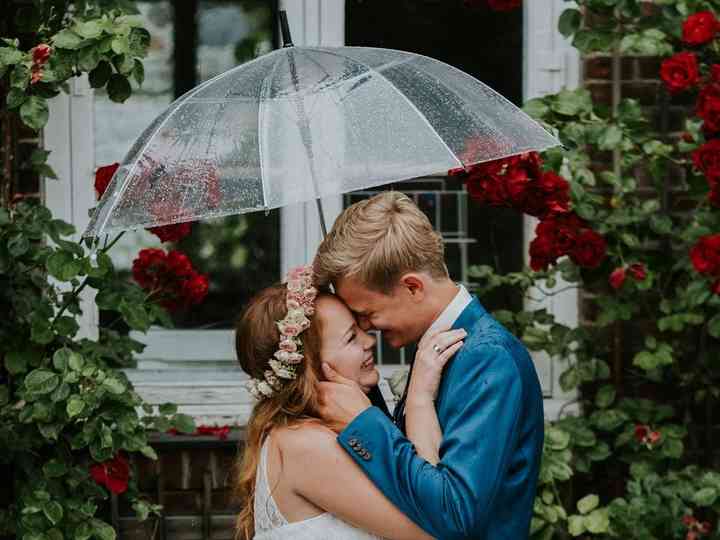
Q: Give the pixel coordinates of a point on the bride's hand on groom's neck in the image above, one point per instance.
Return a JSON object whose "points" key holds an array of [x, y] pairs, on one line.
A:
{"points": [[341, 399]]}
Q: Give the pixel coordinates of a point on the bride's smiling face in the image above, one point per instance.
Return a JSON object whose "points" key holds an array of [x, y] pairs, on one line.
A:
{"points": [[343, 344]]}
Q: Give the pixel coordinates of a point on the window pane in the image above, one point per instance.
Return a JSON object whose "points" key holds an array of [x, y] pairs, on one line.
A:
{"points": [[241, 254]]}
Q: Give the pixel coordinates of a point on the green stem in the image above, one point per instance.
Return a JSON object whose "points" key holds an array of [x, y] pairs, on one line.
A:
{"points": [[82, 286]]}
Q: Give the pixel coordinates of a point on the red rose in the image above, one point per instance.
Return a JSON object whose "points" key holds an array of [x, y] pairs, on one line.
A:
{"points": [[41, 54], [195, 289], [699, 28], [708, 107], [487, 189], [617, 278], [637, 271], [543, 253], [680, 72], [549, 194], [36, 74], [641, 431], [103, 175], [654, 437], [590, 249], [504, 5], [113, 474], [172, 233], [707, 160], [705, 255]]}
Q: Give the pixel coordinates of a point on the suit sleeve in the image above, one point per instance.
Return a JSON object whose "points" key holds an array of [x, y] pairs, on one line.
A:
{"points": [[454, 499]]}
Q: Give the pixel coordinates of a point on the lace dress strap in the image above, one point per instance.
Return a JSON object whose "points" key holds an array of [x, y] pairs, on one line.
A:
{"points": [[267, 514]]}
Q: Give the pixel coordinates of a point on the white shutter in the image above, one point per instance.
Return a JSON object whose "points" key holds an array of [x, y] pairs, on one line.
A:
{"points": [[551, 64], [69, 134]]}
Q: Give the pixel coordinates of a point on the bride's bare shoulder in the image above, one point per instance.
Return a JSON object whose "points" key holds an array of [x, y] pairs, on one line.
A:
{"points": [[308, 438]]}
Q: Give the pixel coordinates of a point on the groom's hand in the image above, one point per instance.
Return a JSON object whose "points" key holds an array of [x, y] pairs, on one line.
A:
{"points": [[341, 399]]}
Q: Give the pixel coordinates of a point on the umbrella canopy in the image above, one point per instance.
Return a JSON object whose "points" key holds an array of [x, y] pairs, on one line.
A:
{"points": [[301, 123]]}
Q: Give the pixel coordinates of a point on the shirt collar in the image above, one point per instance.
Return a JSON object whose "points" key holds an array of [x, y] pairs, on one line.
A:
{"points": [[453, 310]]}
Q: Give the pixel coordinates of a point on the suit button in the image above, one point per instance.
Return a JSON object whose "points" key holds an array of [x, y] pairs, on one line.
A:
{"points": [[367, 456], [353, 441]]}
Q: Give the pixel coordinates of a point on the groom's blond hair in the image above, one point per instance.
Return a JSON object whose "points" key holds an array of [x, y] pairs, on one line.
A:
{"points": [[377, 240]]}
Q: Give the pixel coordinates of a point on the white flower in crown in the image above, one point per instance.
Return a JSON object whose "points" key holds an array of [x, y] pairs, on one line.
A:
{"points": [[289, 357], [281, 370], [265, 388], [253, 389], [272, 380], [295, 285]]}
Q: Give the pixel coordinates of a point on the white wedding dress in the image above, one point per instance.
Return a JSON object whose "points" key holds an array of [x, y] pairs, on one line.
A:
{"points": [[270, 524]]}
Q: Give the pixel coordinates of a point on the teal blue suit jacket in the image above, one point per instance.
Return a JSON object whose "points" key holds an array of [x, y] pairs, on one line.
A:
{"points": [[490, 410]]}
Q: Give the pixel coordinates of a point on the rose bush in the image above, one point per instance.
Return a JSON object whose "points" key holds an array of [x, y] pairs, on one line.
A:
{"points": [[69, 419], [629, 213]]}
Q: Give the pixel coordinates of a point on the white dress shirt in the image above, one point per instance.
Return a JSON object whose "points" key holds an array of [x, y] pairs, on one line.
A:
{"points": [[453, 310]]}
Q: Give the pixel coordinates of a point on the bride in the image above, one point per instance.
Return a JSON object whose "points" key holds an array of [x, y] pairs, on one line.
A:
{"points": [[294, 480]]}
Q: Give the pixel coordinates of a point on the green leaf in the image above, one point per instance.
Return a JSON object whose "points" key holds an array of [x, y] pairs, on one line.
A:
{"points": [[18, 245], [53, 511], [576, 525], [75, 361], [556, 439], [41, 381], [149, 452], [67, 39], [705, 497], [167, 408], [102, 530], [572, 102], [610, 138], [63, 265], [605, 396], [569, 379], [99, 76], [598, 521], [88, 58], [135, 315], [118, 88], [113, 385], [16, 362], [67, 326], [183, 423], [588, 503], [10, 56], [714, 326], [15, 98], [34, 112], [88, 29], [60, 358], [138, 72], [75, 406], [569, 22], [645, 360]]}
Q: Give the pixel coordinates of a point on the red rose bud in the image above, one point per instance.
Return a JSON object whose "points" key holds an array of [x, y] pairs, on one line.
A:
{"points": [[617, 278], [113, 474], [504, 5], [700, 28], [103, 176], [688, 520], [705, 527], [680, 72], [708, 107], [36, 74], [195, 289], [637, 271], [654, 437], [41, 54], [641, 432]]}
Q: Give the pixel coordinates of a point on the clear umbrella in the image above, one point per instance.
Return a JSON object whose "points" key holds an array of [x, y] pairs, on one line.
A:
{"points": [[302, 123]]}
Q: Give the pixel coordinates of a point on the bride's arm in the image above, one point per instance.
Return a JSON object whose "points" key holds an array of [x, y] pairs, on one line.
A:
{"points": [[421, 421], [322, 472]]}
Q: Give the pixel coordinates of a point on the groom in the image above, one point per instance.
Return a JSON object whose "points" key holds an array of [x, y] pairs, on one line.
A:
{"points": [[387, 263]]}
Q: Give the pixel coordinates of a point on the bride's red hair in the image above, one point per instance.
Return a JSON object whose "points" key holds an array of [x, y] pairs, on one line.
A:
{"points": [[256, 340]]}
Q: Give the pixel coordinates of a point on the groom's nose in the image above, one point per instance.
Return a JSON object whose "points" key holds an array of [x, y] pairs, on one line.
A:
{"points": [[364, 323]]}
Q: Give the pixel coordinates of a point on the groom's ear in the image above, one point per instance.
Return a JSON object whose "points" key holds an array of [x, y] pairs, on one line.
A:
{"points": [[414, 285]]}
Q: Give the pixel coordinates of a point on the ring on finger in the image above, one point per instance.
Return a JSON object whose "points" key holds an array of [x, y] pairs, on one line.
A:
{"points": [[437, 348]]}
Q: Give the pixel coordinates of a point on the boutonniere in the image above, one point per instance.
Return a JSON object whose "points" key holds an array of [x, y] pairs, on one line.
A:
{"points": [[398, 380]]}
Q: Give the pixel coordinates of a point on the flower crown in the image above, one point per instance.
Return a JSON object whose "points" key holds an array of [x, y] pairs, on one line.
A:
{"points": [[300, 305]]}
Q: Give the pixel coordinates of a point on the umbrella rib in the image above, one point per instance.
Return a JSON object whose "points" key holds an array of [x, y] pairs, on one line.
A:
{"points": [[264, 91], [401, 94]]}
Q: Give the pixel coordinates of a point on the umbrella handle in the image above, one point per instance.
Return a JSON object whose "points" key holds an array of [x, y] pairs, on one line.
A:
{"points": [[285, 29]]}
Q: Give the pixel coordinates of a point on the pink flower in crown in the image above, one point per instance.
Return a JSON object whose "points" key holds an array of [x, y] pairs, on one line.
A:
{"points": [[288, 345], [291, 329], [292, 303], [289, 357]]}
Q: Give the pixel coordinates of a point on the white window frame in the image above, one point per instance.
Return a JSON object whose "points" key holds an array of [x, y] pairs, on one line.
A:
{"points": [[199, 366], [550, 63]]}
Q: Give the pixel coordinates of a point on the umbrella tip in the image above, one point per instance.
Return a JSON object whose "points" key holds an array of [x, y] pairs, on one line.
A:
{"points": [[285, 29]]}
